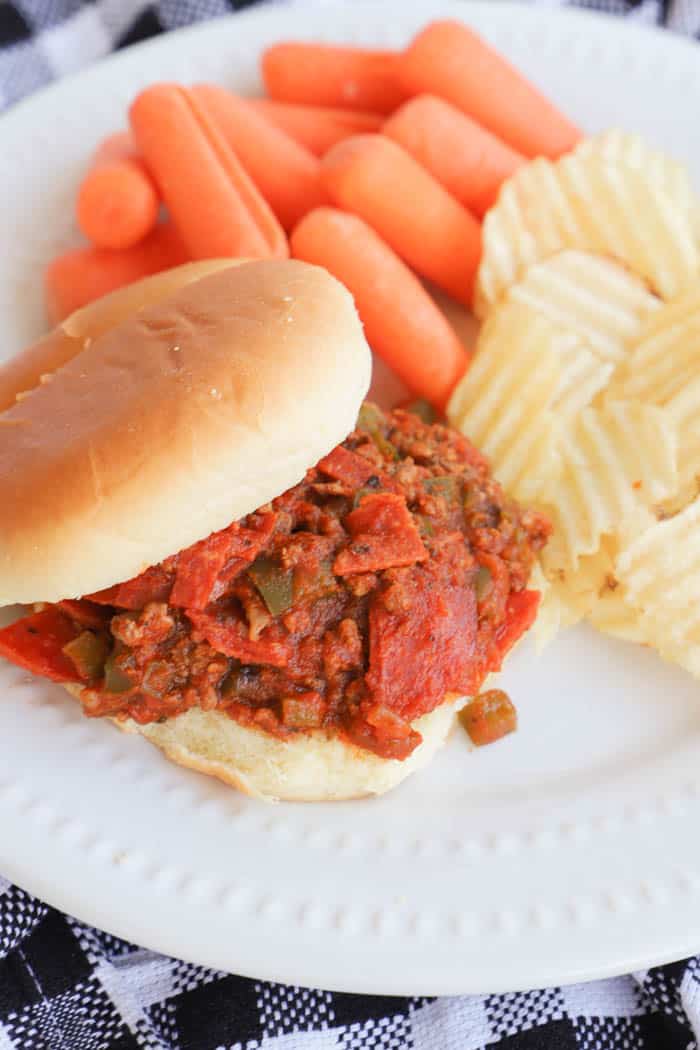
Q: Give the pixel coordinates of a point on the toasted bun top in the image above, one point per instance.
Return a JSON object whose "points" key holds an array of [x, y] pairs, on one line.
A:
{"points": [[189, 415]]}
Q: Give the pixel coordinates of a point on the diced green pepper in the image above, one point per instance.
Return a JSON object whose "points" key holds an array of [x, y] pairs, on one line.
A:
{"points": [[275, 584], [371, 419], [88, 653], [489, 716], [425, 524], [116, 680], [310, 587], [385, 446], [423, 409]]}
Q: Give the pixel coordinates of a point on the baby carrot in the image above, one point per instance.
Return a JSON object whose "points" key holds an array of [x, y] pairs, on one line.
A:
{"points": [[375, 178], [349, 77], [211, 199], [117, 201], [77, 277], [450, 60], [469, 161], [402, 323], [286, 173], [316, 127]]}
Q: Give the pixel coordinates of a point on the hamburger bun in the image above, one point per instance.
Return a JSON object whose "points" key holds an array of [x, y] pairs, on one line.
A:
{"points": [[25, 370], [186, 416], [235, 379], [310, 767]]}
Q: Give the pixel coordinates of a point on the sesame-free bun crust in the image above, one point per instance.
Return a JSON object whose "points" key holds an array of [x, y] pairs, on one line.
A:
{"points": [[311, 767], [24, 371], [181, 419]]}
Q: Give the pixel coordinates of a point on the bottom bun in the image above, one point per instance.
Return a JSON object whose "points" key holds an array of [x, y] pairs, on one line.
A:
{"points": [[312, 767]]}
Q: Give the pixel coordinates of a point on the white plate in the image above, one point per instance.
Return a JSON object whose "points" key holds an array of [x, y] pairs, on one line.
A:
{"points": [[568, 851]]}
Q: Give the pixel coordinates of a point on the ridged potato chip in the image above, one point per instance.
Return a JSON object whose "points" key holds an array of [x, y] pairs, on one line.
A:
{"points": [[614, 459], [591, 592], [568, 596], [612, 614], [557, 611], [658, 567], [608, 608], [599, 300], [585, 390], [686, 653], [502, 402], [666, 356], [529, 377], [599, 201], [593, 576], [664, 369], [661, 564], [684, 411], [621, 147], [583, 376]]}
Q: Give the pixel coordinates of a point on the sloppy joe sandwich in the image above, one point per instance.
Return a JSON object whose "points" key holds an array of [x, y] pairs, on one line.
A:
{"points": [[231, 553]]}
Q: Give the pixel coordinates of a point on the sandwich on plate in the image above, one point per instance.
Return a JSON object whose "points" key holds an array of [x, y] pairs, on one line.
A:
{"points": [[224, 548]]}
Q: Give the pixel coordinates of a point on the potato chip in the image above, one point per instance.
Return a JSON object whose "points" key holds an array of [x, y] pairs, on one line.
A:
{"points": [[571, 289], [667, 355], [675, 635], [683, 409], [591, 296], [531, 220], [597, 201], [612, 614], [593, 592], [590, 282], [664, 369], [604, 478], [607, 607], [660, 565], [557, 612], [594, 575], [528, 378], [501, 403], [659, 568], [685, 653], [625, 215], [569, 596], [583, 376], [622, 147]]}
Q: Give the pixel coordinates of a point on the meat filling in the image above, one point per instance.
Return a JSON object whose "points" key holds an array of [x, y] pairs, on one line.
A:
{"points": [[393, 574]]}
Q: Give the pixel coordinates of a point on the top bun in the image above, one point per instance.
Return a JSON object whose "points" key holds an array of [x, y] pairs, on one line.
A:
{"points": [[187, 416], [24, 371]]}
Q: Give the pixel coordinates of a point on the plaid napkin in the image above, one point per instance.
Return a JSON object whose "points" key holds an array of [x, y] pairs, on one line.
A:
{"points": [[67, 986]]}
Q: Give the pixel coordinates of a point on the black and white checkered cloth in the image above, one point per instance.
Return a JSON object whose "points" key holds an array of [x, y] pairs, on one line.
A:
{"points": [[66, 986], [43, 39]]}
